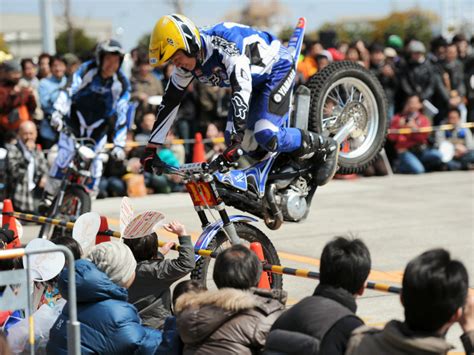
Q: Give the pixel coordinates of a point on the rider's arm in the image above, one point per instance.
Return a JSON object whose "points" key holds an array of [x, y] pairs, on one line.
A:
{"points": [[168, 109], [238, 70], [121, 108], [63, 102]]}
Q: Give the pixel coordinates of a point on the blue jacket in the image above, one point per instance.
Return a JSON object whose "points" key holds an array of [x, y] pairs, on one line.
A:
{"points": [[109, 324], [97, 100], [48, 91], [235, 56]]}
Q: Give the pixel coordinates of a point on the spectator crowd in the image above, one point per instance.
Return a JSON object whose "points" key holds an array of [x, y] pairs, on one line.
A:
{"points": [[424, 87], [125, 304]]}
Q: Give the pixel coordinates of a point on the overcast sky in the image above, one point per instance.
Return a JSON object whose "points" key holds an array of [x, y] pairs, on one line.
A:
{"points": [[137, 17]]}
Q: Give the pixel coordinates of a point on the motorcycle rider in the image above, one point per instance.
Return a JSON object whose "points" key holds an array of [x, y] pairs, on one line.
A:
{"points": [[260, 72], [94, 105]]}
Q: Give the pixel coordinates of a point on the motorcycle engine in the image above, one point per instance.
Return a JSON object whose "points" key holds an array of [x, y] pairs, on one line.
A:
{"points": [[292, 200]]}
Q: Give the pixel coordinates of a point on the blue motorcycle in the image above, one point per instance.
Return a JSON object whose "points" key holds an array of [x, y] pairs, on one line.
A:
{"points": [[344, 101]]}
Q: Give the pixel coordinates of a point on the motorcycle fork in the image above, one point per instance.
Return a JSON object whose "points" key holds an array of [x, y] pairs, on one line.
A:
{"points": [[60, 198], [228, 227]]}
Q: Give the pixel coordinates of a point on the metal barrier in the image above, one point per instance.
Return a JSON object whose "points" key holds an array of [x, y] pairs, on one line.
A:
{"points": [[277, 269], [445, 127], [73, 331]]}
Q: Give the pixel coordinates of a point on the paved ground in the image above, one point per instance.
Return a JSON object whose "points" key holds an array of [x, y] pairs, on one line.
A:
{"points": [[398, 217]]}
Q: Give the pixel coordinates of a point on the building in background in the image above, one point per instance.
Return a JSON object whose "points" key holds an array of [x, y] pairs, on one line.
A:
{"points": [[22, 33]]}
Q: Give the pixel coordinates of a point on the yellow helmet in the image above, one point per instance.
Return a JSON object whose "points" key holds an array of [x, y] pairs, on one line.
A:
{"points": [[171, 33]]}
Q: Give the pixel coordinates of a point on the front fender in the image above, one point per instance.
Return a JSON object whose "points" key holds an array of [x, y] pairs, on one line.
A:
{"points": [[211, 230]]}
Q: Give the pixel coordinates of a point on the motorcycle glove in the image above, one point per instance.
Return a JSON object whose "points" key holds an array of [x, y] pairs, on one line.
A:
{"points": [[151, 162], [57, 121], [233, 152], [118, 154]]}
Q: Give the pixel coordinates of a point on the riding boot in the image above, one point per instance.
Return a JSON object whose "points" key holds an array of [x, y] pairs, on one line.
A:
{"points": [[325, 150]]}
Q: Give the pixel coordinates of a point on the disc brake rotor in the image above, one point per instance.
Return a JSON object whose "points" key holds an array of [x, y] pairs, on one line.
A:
{"points": [[357, 112]]}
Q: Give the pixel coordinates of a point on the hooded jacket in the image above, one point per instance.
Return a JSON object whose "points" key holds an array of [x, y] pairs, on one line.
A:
{"points": [[395, 339], [109, 324], [227, 321]]}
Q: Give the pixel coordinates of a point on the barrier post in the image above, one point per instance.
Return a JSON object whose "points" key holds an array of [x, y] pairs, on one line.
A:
{"points": [[9, 222], [73, 330]]}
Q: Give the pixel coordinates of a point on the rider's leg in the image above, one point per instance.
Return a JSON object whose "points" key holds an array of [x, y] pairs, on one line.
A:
{"points": [[302, 144], [268, 116], [62, 160], [97, 168]]}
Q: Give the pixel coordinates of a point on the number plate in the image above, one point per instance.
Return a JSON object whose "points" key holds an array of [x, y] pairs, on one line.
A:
{"points": [[202, 194]]}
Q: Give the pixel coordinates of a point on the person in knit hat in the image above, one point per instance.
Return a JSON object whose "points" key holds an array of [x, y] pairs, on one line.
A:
{"points": [[116, 260], [109, 324]]}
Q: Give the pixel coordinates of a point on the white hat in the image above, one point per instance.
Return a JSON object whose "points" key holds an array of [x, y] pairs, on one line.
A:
{"points": [[416, 47], [115, 259], [390, 52]]}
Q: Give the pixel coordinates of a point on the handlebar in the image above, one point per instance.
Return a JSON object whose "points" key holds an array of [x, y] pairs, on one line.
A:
{"points": [[186, 170], [228, 159], [82, 140]]}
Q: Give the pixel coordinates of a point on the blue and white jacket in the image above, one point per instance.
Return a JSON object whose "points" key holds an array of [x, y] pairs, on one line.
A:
{"points": [[48, 91], [96, 100], [233, 55]]}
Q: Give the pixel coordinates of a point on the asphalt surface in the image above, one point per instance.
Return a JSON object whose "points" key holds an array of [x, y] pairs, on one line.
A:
{"points": [[398, 217]]}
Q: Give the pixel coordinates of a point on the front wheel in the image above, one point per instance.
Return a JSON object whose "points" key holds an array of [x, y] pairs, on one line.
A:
{"points": [[76, 202], [205, 266], [345, 91]]}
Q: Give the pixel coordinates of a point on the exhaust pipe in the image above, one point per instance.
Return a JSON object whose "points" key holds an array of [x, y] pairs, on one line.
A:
{"points": [[274, 221]]}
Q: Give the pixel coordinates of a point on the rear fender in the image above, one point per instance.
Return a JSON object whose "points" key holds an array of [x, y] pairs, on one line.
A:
{"points": [[211, 230]]}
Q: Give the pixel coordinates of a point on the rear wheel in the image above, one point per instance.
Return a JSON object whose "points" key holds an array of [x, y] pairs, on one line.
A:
{"points": [[76, 202], [205, 266], [343, 91]]}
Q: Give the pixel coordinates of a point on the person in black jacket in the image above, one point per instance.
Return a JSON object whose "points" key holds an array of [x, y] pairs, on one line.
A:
{"points": [[323, 323], [419, 77]]}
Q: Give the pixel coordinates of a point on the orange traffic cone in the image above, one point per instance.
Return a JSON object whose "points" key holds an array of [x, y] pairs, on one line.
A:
{"points": [[104, 225], [199, 154], [9, 222], [264, 278]]}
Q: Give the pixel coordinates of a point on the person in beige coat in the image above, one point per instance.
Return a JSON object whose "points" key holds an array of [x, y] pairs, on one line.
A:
{"points": [[236, 318]]}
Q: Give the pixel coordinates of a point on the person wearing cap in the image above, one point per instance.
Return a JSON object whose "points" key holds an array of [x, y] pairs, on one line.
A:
{"points": [[17, 104], [93, 106], [395, 42], [109, 324], [418, 76], [72, 64], [260, 73]]}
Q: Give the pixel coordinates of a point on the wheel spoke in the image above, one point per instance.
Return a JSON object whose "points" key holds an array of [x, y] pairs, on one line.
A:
{"points": [[352, 94], [330, 118], [340, 101], [333, 98]]}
